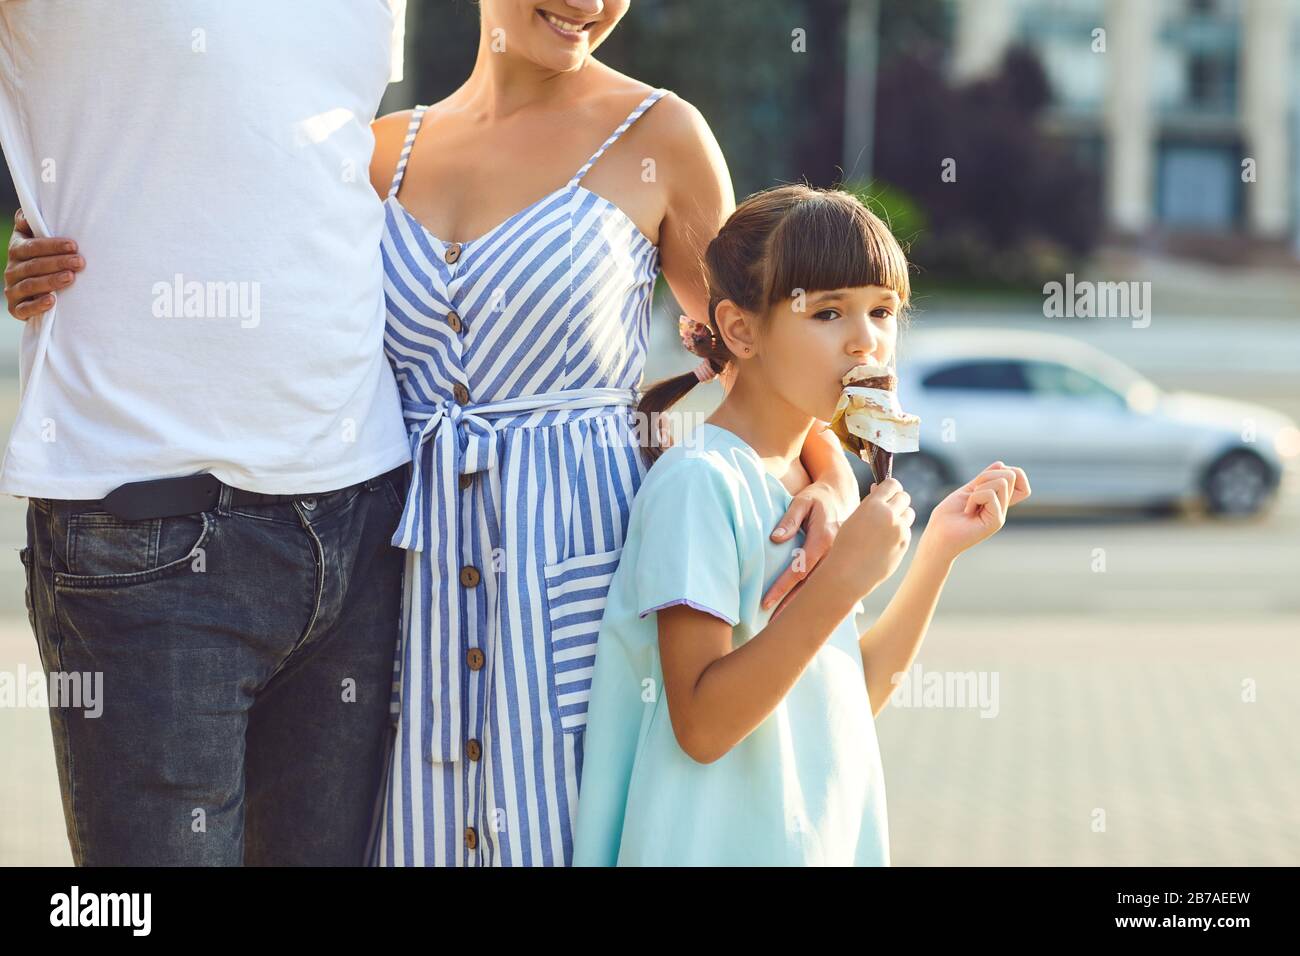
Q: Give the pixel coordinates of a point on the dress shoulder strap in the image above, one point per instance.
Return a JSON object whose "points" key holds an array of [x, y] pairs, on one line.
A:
{"points": [[417, 115], [650, 100]]}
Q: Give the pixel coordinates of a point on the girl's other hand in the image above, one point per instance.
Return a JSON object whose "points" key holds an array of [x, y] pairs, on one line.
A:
{"points": [[37, 269], [976, 510]]}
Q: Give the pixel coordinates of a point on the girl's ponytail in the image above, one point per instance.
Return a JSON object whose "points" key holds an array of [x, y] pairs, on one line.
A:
{"points": [[664, 394], [735, 268]]}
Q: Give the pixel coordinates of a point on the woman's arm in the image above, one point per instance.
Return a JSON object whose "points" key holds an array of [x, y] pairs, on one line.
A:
{"points": [[699, 200], [823, 458]]}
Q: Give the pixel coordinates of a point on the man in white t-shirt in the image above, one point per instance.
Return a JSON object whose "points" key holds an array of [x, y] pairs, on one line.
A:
{"points": [[209, 436]]}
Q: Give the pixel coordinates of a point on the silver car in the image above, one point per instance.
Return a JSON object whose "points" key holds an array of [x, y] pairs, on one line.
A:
{"points": [[1089, 431]]}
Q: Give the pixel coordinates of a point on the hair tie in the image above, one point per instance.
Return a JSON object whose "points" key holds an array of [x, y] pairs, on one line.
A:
{"points": [[704, 371], [697, 338]]}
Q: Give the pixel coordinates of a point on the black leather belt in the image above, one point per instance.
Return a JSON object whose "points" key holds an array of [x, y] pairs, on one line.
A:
{"points": [[187, 495]]}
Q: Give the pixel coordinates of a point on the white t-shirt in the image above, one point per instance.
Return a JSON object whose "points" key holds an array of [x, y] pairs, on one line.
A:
{"points": [[211, 160]]}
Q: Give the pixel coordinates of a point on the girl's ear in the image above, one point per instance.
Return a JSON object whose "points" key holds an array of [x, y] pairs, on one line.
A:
{"points": [[736, 326]]}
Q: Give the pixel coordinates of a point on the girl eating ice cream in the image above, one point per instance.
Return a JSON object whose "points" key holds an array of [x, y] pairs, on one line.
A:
{"points": [[719, 733]]}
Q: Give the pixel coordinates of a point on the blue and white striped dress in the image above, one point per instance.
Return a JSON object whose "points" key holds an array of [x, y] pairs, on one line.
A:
{"points": [[519, 356]]}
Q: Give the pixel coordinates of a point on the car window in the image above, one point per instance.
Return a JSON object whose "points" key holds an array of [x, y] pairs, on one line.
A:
{"points": [[987, 375], [1065, 381]]}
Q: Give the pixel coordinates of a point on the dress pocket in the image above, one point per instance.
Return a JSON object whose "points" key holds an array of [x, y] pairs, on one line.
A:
{"points": [[576, 590]]}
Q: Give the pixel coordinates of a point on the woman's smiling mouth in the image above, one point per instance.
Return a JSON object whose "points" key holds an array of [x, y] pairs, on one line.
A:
{"points": [[570, 30]]}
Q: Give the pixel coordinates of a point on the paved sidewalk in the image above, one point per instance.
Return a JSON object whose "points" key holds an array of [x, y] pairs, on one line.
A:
{"points": [[31, 814], [1140, 718]]}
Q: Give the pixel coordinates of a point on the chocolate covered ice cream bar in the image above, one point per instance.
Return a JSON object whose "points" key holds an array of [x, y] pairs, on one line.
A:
{"points": [[870, 423]]}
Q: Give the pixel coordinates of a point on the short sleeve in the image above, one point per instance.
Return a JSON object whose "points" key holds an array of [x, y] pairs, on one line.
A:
{"points": [[688, 552]]}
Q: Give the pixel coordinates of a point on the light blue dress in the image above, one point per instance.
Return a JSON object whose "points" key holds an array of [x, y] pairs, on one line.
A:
{"points": [[807, 786]]}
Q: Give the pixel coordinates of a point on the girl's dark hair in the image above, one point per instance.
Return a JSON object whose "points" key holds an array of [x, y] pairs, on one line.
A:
{"points": [[777, 242]]}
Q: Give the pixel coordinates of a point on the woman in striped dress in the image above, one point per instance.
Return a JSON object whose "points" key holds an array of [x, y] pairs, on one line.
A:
{"points": [[518, 334]]}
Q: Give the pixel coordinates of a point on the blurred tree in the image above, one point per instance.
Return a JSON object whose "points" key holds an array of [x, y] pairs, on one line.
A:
{"points": [[1006, 203], [6, 231], [740, 64], [768, 75], [914, 27], [899, 211], [817, 151]]}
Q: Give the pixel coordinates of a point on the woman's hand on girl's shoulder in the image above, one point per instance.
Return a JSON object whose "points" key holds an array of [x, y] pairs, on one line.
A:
{"points": [[817, 510], [975, 511], [867, 546]]}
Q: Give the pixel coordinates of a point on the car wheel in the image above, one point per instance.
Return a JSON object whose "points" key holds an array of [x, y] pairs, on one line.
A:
{"points": [[1239, 483], [924, 478]]}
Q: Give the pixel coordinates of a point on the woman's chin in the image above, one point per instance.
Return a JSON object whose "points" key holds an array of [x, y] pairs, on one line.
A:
{"points": [[558, 61]]}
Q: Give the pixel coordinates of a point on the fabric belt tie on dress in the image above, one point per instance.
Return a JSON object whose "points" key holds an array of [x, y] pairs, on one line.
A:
{"points": [[462, 440]]}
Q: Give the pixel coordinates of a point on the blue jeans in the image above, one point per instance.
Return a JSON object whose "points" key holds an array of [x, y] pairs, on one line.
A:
{"points": [[245, 660]]}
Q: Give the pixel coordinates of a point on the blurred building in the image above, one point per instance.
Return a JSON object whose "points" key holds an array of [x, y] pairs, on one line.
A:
{"points": [[1188, 107]]}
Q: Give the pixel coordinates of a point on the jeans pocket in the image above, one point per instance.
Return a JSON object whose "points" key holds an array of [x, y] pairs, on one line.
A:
{"points": [[396, 490], [106, 551], [576, 591]]}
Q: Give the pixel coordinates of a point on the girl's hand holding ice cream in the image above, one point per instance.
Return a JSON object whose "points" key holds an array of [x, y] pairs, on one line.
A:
{"points": [[872, 542], [975, 511]]}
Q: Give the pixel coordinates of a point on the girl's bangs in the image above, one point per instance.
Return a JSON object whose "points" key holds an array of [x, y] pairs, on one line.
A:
{"points": [[828, 242]]}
